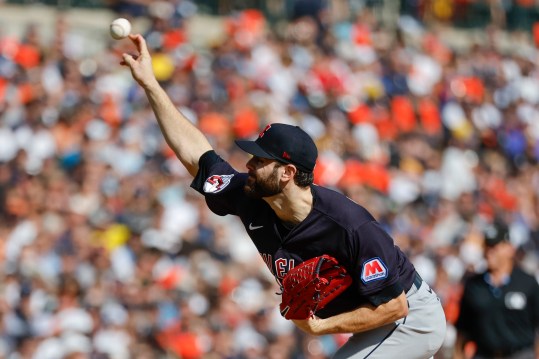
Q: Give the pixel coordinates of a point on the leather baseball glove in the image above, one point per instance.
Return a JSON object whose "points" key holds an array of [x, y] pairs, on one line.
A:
{"points": [[311, 285]]}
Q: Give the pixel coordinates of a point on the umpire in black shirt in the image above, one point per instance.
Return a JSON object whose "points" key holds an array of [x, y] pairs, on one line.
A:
{"points": [[499, 309]]}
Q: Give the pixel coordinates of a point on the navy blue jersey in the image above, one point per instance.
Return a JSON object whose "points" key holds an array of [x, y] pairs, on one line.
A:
{"points": [[336, 226]]}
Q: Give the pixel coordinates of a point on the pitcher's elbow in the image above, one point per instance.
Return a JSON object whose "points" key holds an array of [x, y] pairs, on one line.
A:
{"points": [[404, 311], [401, 307]]}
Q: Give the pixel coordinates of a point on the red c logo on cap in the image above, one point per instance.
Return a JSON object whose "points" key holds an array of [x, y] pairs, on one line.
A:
{"points": [[264, 131]]}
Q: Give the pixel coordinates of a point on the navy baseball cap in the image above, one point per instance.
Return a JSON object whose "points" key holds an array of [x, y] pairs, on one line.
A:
{"points": [[284, 143]]}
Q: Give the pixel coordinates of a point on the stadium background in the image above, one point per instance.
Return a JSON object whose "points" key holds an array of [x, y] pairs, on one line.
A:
{"points": [[425, 112]]}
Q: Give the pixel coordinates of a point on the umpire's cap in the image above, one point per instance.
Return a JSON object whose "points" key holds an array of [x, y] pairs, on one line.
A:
{"points": [[496, 233], [284, 143]]}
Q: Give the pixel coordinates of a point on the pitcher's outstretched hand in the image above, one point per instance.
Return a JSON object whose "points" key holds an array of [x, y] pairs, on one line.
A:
{"points": [[141, 63]]}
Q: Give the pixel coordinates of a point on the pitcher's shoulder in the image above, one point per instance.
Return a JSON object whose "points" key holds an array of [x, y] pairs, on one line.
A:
{"points": [[339, 207]]}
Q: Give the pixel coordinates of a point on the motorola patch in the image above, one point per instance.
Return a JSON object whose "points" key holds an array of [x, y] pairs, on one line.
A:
{"points": [[373, 269]]}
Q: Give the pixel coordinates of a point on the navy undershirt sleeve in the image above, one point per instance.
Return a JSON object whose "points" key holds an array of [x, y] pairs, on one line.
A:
{"points": [[385, 295]]}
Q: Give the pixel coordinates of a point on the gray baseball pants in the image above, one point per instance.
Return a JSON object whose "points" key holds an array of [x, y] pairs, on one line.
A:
{"points": [[417, 336]]}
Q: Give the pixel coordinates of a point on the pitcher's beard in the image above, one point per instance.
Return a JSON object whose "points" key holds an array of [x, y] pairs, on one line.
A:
{"points": [[259, 188]]}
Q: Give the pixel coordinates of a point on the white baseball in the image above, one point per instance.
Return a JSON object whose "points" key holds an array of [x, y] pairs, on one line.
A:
{"points": [[120, 28]]}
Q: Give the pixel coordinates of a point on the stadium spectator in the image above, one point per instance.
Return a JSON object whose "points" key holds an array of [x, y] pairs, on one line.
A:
{"points": [[105, 255]]}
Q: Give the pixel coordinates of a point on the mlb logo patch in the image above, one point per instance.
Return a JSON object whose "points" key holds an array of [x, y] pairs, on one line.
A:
{"points": [[217, 183], [373, 269]]}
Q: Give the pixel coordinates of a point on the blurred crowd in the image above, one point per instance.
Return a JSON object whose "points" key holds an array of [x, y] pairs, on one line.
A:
{"points": [[106, 252]]}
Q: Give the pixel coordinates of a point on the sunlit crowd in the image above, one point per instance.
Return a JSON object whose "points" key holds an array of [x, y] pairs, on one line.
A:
{"points": [[106, 251]]}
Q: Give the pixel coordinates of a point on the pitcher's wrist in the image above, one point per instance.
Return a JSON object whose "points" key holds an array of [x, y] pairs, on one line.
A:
{"points": [[151, 85]]}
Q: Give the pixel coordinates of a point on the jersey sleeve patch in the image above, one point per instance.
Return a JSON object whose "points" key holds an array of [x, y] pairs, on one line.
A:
{"points": [[216, 183], [373, 269]]}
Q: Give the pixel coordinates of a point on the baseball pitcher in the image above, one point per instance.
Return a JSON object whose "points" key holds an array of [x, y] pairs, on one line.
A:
{"points": [[340, 272]]}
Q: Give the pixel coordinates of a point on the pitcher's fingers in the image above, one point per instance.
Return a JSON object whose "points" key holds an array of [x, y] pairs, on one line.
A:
{"points": [[127, 60], [134, 57], [139, 41]]}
